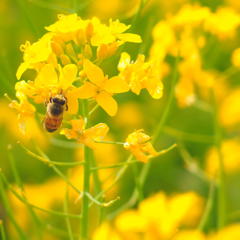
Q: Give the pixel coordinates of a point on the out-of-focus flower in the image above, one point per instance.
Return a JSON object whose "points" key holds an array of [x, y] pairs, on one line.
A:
{"points": [[229, 109], [85, 136], [231, 158], [105, 9], [129, 116], [190, 15], [157, 217], [138, 143], [141, 74], [223, 23], [101, 88], [189, 235], [21, 125], [236, 57], [229, 232]]}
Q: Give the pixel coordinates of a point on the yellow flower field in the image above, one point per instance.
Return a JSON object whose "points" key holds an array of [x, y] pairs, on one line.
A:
{"points": [[120, 120]]}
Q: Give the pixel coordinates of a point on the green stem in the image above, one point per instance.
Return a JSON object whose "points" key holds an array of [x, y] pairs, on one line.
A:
{"points": [[86, 181], [37, 222], [10, 213], [24, 200], [3, 235], [68, 223], [137, 182], [208, 208], [97, 186], [221, 175]]}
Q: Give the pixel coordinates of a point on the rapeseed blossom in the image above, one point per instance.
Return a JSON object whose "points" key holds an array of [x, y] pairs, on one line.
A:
{"points": [[64, 56], [138, 143], [101, 88], [157, 217], [184, 34], [85, 136]]}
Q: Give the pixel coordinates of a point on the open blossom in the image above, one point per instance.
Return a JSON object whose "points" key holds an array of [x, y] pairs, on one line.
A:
{"points": [[157, 217], [71, 46], [85, 136], [61, 43], [138, 143], [141, 74], [51, 81], [101, 88]]}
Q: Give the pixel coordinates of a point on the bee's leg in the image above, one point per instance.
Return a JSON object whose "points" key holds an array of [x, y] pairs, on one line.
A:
{"points": [[66, 107]]}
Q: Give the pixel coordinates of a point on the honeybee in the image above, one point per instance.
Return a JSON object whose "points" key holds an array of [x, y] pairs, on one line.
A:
{"points": [[54, 114]]}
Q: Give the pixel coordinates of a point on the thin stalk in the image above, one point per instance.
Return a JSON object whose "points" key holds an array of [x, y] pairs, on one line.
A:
{"points": [[46, 160], [3, 235], [113, 165], [10, 213], [86, 181], [137, 182], [65, 207], [208, 208], [23, 200], [221, 174], [97, 186], [35, 218], [188, 136], [119, 174]]}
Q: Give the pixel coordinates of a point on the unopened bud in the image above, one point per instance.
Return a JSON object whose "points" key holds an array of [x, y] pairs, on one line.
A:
{"points": [[65, 59], [57, 49], [87, 51]]}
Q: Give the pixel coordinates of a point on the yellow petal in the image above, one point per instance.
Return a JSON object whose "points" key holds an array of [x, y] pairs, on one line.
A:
{"points": [[124, 61], [93, 72], [87, 90], [130, 37], [47, 76], [97, 132], [116, 85], [77, 124], [72, 101], [68, 75], [21, 69], [107, 102], [155, 89]]}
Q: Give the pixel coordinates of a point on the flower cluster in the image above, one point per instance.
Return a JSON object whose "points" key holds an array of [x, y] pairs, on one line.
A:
{"points": [[186, 34], [157, 217], [67, 61]]}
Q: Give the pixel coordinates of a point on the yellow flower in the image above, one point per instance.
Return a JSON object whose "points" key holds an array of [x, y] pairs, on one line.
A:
{"points": [[50, 82], [223, 23], [138, 143], [85, 136], [36, 54], [231, 158], [157, 217], [229, 109], [190, 15], [141, 74], [236, 57], [25, 111], [104, 34], [189, 235], [105, 231], [230, 232], [101, 88]]}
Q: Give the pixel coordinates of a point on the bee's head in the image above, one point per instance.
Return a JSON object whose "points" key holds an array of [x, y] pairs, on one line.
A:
{"points": [[59, 99]]}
